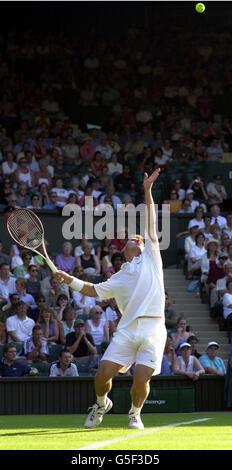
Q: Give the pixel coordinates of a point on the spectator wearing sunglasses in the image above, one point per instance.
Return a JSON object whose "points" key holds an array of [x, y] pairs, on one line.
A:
{"points": [[33, 284]]}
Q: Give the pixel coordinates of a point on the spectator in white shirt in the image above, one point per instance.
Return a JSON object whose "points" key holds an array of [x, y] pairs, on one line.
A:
{"points": [[190, 241], [62, 194], [198, 219], [19, 327], [216, 218], [195, 255], [64, 367], [7, 282], [193, 202]]}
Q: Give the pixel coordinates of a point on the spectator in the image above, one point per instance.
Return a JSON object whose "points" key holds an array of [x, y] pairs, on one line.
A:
{"points": [[181, 334], [9, 367], [104, 148], [23, 200], [9, 309], [227, 228], [107, 259], [33, 284], [65, 261], [7, 282], [61, 303], [83, 303], [215, 232], [6, 192], [70, 151], [64, 367], [80, 343], [22, 270], [214, 150], [185, 207], [48, 324], [169, 352], [62, 194], [34, 313], [21, 285], [67, 324], [116, 260], [211, 362], [216, 272], [23, 175], [115, 168], [160, 159], [60, 169], [19, 326], [216, 191], [124, 181], [200, 193], [103, 248], [9, 166], [97, 326], [36, 347], [53, 293], [193, 341], [174, 202], [207, 229], [43, 175], [87, 150], [187, 364], [209, 259], [180, 191], [97, 164], [195, 255], [198, 218], [110, 192], [216, 218], [227, 305], [191, 196], [52, 204], [170, 314], [35, 202], [89, 262], [79, 250], [225, 242]]}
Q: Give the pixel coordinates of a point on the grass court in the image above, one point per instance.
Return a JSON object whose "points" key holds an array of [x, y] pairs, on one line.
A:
{"points": [[171, 431]]}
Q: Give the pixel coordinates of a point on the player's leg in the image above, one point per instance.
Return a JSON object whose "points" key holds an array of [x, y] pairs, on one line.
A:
{"points": [[103, 383], [139, 392]]}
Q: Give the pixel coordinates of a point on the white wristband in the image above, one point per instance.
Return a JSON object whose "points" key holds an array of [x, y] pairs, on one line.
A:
{"points": [[76, 284]]}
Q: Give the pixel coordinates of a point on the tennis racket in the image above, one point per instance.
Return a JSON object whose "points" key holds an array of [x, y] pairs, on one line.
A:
{"points": [[26, 229]]}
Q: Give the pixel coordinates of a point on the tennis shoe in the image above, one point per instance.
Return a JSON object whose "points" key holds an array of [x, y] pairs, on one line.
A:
{"points": [[135, 421], [96, 414]]}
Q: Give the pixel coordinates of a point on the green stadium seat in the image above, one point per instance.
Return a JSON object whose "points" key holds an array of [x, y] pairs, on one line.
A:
{"points": [[54, 352]]}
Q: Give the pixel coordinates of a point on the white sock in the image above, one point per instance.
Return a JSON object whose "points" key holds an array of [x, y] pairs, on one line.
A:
{"points": [[102, 400], [135, 410]]}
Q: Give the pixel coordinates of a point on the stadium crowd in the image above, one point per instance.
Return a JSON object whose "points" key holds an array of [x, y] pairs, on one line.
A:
{"points": [[152, 113]]}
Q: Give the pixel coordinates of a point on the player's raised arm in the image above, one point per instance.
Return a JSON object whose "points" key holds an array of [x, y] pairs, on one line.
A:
{"points": [[151, 215], [86, 288]]}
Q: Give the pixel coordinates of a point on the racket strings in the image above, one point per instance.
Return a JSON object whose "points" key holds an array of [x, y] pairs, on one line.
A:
{"points": [[25, 229]]}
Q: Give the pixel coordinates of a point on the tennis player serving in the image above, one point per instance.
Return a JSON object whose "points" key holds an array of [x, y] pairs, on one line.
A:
{"points": [[138, 289]]}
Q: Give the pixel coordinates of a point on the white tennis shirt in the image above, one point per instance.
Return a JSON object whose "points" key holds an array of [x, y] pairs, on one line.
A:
{"points": [[138, 287]]}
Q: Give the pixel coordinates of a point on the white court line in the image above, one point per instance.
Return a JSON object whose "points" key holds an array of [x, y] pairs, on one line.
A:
{"points": [[99, 445]]}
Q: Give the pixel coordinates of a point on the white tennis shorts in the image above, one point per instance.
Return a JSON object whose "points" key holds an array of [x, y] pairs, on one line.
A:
{"points": [[142, 342]]}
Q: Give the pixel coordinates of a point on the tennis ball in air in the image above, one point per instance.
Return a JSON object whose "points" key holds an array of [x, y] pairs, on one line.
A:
{"points": [[200, 7]]}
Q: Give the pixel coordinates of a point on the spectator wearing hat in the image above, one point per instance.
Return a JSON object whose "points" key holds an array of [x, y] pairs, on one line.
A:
{"points": [[195, 255], [211, 362], [187, 364], [87, 150], [193, 341], [80, 343]]}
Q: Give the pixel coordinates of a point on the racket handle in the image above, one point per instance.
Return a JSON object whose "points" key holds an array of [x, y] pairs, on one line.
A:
{"points": [[51, 265]]}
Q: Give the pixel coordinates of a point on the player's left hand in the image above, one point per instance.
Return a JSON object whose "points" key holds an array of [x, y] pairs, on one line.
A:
{"points": [[148, 181]]}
